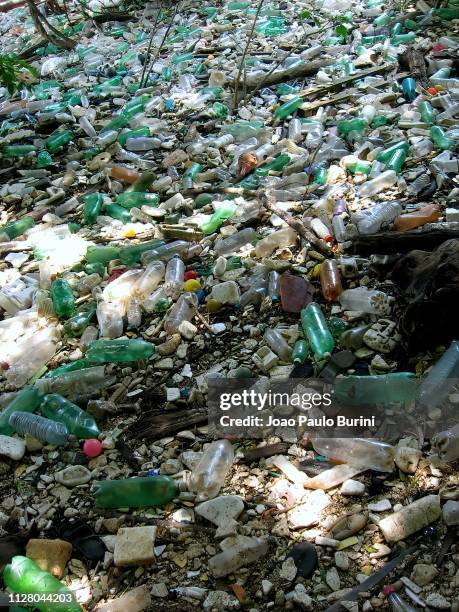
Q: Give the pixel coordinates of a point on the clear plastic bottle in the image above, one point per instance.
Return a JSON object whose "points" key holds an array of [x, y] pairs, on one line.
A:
{"points": [[373, 219], [208, 476], [235, 242], [32, 355], [238, 555], [274, 285], [39, 427], [173, 279], [183, 310], [134, 313], [150, 279], [382, 181], [142, 143], [156, 301], [110, 319], [397, 603], [321, 230], [366, 300], [441, 379], [281, 238], [278, 344], [165, 251], [77, 384], [358, 452], [122, 288]]}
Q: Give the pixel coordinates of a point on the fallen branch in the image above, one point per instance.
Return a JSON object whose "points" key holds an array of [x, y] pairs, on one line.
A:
{"points": [[104, 17], [255, 81]]}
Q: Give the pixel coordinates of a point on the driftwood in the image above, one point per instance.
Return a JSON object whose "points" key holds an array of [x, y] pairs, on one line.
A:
{"points": [[265, 451], [104, 17], [157, 425], [253, 81], [386, 243]]}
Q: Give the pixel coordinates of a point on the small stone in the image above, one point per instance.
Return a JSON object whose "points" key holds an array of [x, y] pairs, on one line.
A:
{"points": [[352, 487], [222, 512], [172, 394], [135, 601], [165, 364], [304, 555], [332, 579], [380, 506], [112, 525], [451, 512], [14, 448], [288, 570], [159, 590], [341, 560], [422, 574], [73, 475], [220, 600], [407, 459], [437, 601], [50, 555], [266, 587], [33, 445], [301, 597], [188, 330], [381, 551], [134, 546]]}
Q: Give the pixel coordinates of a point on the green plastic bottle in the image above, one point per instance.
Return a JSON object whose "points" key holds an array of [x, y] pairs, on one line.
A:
{"points": [[316, 330], [117, 123], [17, 150], [26, 400], [360, 167], [131, 254], [409, 88], [220, 110], [58, 140], [403, 39], [351, 128], [78, 364], [300, 351], [129, 199], [102, 254], [119, 350], [79, 423], [23, 575], [337, 327], [383, 389], [143, 182], [440, 139], [190, 175], [141, 131], [117, 212], [44, 159], [95, 268], [385, 155], [17, 228], [63, 298], [396, 160], [136, 492], [288, 108], [76, 325], [92, 207], [218, 218], [428, 114], [382, 20], [373, 40]]}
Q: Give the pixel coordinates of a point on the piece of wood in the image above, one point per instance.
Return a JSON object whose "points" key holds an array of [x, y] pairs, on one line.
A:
{"points": [[256, 80], [104, 17], [386, 243], [156, 425], [265, 451]]}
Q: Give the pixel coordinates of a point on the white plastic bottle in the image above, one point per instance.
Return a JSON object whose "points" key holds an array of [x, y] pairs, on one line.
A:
{"points": [[208, 476]]}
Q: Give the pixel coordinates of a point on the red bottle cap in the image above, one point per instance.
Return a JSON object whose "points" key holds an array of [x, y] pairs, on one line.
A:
{"points": [[92, 448], [191, 274], [388, 589]]}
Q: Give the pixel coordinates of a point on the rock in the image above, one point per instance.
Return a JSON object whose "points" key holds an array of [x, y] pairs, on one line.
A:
{"points": [[188, 330], [33, 445], [14, 448], [305, 556], [288, 570], [341, 560], [222, 512], [73, 475], [190, 459], [306, 514], [352, 487], [451, 512], [381, 551], [50, 555], [332, 579], [382, 336], [422, 574], [134, 546], [135, 601], [301, 597], [159, 590], [4, 518], [348, 525], [220, 600], [410, 519], [380, 506], [407, 459], [437, 601], [112, 524], [266, 587]]}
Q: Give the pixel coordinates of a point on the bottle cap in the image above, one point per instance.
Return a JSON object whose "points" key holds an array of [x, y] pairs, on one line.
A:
{"points": [[388, 589]]}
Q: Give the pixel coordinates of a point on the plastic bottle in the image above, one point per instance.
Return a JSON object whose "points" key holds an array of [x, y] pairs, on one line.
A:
{"points": [[238, 555], [23, 575], [280, 239], [39, 427], [136, 492], [58, 140], [358, 452], [17, 228], [117, 212], [428, 114], [288, 108], [17, 150], [353, 338], [352, 129], [165, 252], [110, 319], [32, 355], [63, 299], [440, 139], [78, 422], [173, 279], [441, 379], [190, 175], [316, 330], [382, 181], [426, 214], [76, 325], [102, 254], [397, 603], [92, 207], [119, 350], [300, 351], [321, 230], [274, 285], [235, 242], [396, 161], [183, 310], [380, 389], [77, 385], [27, 400], [329, 479], [129, 199], [278, 344], [330, 279], [220, 215], [366, 300], [409, 89], [208, 476], [371, 220], [121, 173], [150, 279]]}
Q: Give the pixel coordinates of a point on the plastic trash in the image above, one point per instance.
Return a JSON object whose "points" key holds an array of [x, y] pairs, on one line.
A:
{"points": [[207, 477], [137, 492]]}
